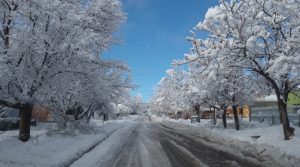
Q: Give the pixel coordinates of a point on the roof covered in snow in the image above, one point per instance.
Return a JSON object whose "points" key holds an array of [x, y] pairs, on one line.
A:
{"points": [[271, 97]]}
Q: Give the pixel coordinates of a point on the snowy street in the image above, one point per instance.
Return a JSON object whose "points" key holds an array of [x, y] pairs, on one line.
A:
{"points": [[147, 143], [149, 83]]}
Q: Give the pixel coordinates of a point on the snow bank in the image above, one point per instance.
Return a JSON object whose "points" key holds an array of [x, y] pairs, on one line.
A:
{"points": [[270, 149], [158, 119], [99, 155], [57, 150]]}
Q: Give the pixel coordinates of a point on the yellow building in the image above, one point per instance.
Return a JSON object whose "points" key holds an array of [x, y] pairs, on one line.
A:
{"points": [[242, 111]]}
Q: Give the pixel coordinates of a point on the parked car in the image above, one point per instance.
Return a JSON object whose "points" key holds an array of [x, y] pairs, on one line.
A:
{"points": [[9, 123], [9, 119]]}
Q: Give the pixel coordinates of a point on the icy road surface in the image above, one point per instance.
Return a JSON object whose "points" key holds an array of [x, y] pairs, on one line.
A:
{"points": [[150, 144]]}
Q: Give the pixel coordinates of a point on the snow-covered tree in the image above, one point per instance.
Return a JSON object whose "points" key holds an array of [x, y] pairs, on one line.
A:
{"points": [[136, 104], [169, 96], [105, 85], [259, 36], [48, 47]]}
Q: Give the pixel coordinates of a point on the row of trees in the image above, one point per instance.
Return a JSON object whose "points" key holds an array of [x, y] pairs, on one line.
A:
{"points": [[50, 56], [252, 48], [133, 106]]}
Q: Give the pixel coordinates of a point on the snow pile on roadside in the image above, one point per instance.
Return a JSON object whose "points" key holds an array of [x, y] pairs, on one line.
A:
{"points": [[270, 148], [5, 135], [51, 150], [99, 122], [99, 155], [158, 119], [127, 118]]}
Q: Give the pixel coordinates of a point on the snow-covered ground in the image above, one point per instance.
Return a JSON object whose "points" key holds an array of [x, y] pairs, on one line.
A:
{"points": [[270, 146], [121, 140], [44, 150]]}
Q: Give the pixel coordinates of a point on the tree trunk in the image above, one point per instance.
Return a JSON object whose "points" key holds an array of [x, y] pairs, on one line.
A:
{"points": [[287, 130], [250, 114], [224, 115], [236, 118], [299, 120], [105, 117], [242, 113], [197, 109], [24, 131], [215, 121], [280, 116], [281, 99]]}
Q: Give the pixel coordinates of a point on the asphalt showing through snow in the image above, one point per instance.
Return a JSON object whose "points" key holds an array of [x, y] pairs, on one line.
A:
{"points": [[152, 144]]}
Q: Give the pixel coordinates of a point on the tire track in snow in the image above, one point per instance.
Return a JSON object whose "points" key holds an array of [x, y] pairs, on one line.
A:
{"points": [[106, 153], [126, 157], [180, 156], [205, 151]]}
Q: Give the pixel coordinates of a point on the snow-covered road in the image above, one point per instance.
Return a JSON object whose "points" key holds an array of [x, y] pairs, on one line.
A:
{"points": [[144, 143]]}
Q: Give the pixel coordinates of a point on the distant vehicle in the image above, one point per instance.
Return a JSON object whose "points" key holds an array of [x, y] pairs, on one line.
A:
{"points": [[195, 119]]}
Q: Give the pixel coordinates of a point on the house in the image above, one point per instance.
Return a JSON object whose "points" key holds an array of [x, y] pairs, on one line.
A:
{"points": [[42, 114], [180, 114], [243, 111], [266, 108], [39, 113], [206, 113]]}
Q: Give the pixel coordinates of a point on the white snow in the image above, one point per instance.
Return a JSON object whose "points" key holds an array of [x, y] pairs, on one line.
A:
{"points": [[57, 150], [251, 42], [128, 146], [99, 155], [270, 98], [270, 147], [187, 152]]}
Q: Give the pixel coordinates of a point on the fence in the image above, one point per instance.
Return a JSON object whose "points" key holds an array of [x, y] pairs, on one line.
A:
{"points": [[271, 115]]}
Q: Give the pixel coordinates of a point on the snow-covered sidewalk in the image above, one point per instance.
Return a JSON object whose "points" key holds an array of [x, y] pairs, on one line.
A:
{"points": [[53, 150], [105, 151], [270, 146]]}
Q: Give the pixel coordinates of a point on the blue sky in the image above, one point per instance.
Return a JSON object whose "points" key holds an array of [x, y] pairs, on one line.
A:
{"points": [[154, 35]]}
